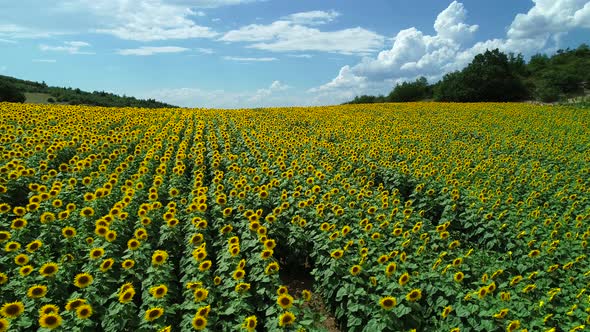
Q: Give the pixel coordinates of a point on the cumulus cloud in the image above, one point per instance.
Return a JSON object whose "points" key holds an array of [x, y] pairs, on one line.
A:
{"points": [[293, 33], [71, 47], [277, 93], [414, 53], [151, 50]]}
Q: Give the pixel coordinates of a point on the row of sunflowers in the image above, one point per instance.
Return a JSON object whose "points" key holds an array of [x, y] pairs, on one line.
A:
{"points": [[426, 216]]}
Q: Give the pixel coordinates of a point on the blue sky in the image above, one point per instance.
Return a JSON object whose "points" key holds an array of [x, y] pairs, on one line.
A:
{"points": [[252, 53]]}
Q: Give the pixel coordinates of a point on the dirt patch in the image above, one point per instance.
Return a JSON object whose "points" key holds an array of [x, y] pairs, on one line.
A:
{"points": [[299, 279]]}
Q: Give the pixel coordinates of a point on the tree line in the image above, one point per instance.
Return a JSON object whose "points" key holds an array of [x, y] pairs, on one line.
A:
{"points": [[494, 76], [13, 89]]}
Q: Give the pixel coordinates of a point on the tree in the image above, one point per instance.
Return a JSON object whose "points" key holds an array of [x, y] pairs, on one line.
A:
{"points": [[491, 76], [10, 93], [410, 91]]}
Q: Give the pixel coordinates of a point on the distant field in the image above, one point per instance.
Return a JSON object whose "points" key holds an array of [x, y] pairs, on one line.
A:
{"points": [[37, 98]]}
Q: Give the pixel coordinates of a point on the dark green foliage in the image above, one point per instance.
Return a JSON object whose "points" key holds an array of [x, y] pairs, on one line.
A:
{"points": [[491, 76], [8, 92], [495, 76], [411, 91], [79, 97]]}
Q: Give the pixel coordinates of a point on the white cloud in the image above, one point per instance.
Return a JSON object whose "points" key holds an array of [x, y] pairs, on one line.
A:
{"points": [[72, 47], [286, 36], [304, 56], [203, 50], [44, 60], [261, 94], [13, 31], [415, 53], [548, 17], [151, 50], [315, 17], [144, 20], [277, 93], [247, 59], [213, 3]]}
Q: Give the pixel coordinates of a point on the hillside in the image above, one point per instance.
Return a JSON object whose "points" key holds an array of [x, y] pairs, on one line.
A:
{"points": [[41, 93], [497, 77]]}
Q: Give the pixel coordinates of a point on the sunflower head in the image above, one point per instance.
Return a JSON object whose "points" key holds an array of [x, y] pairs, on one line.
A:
{"points": [[37, 291], [83, 280], [285, 301], [12, 309], [199, 322], [48, 309], [388, 302], [153, 314], [414, 295], [84, 311], [286, 319], [50, 321], [250, 323]]}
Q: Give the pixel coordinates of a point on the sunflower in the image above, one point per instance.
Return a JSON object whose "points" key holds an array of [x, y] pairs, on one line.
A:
{"points": [[286, 319], [285, 301], [239, 274], [159, 291], [107, 264], [4, 325], [4, 235], [404, 279], [126, 295], [48, 309], [513, 326], [459, 276], [18, 223], [265, 254], [200, 294], [159, 257], [83, 280], [271, 268], [204, 311], [37, 291], [12, 246], [414, 295], [306, 294], [21, 259], [337, 254], [96, 253], [153, 313], [3, 278], [133, 244], [87, 212], [242, 287], [34, 245], [446, 311], [12, 310], [250, 323], [50, 321], [166, 329], [199, 322], [282, 290], [127, 264], [84, 311], [217, 280], [74, 304], [501, 314], [355, 270], [388, 302]]}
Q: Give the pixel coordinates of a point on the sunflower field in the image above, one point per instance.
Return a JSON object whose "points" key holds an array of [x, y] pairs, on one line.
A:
{"points": [[425, 216]]}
